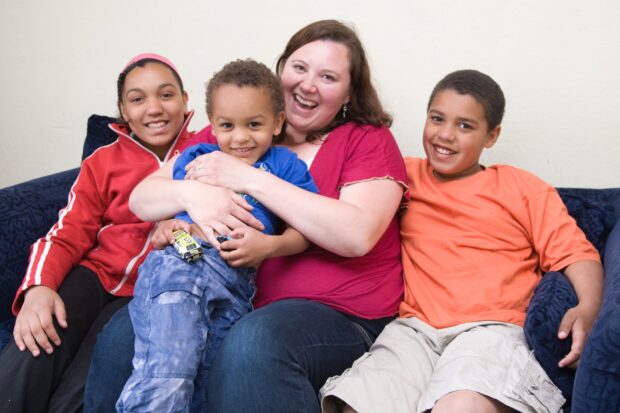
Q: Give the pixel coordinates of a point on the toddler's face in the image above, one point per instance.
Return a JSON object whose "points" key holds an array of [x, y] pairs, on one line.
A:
{"points": [[243, 121], [455, 133]]}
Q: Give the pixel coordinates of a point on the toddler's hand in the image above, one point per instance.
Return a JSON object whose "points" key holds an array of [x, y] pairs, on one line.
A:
{"points": [[578, 322], [248, 248], [162, 236]]}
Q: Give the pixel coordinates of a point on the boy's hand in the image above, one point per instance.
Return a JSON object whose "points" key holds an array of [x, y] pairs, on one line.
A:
{"points": [[34, 323], [162, 236], [578, 321], [248, 248]]}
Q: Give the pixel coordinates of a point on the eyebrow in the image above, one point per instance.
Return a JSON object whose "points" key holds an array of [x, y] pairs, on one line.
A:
{"points": [[160, 87], [460, 119], [326, 70], [225, 118]]}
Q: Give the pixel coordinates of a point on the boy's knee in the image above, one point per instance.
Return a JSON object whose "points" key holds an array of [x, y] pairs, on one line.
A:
{"points": [[466, 401]]}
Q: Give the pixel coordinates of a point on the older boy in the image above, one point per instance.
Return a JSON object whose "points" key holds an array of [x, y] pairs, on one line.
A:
{"points": [[475, 242]]}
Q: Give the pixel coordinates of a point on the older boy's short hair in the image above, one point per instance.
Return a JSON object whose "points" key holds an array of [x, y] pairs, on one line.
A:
{"points": [[481, 87], [247, 72]]}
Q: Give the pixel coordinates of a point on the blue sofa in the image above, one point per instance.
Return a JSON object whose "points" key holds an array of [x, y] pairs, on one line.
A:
{"points": [[29, 209]]}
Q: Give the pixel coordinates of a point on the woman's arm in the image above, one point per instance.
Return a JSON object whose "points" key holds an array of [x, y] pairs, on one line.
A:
{"points": [[349, 226], [160, 197]]}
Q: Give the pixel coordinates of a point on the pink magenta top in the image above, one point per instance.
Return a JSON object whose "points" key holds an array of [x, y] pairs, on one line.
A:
{"points": [[370, 286]]}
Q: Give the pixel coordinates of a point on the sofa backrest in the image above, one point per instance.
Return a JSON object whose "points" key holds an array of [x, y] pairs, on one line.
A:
{"points": [[596, 211], [98, 134]]}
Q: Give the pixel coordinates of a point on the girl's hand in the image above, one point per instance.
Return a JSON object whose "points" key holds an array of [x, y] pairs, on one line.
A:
{"points": [[577, 321], [34, 325], [248, 248], [220, 169], [162, 236]]}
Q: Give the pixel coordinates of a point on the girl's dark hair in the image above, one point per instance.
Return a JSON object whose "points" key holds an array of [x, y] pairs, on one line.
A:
{"points": [[120, 82], [364, 105], [479, 86], [247, 72]]}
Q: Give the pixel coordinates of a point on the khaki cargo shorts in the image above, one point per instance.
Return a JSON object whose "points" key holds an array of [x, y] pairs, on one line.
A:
{"points": [[412, 365]]}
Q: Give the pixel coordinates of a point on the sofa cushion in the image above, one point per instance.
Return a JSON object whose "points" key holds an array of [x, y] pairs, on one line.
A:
{"points": [[98, 134], [596, 212], [552, 298], [597, 382], [27, 211]]}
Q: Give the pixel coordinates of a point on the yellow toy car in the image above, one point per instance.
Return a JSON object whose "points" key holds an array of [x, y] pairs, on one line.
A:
{"points": [[187, 247]]}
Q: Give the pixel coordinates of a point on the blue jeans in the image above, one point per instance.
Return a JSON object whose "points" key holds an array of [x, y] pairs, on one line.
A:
{"points": [[274, 359], [180, 313]]}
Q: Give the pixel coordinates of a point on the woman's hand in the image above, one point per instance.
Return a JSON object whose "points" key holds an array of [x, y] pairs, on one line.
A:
{"points": [[35, 325], [220, 169], [230, 211], [212, 208]]}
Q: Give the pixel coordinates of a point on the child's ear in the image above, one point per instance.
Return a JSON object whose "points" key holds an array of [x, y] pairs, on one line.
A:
{"points": [[210, 117], [185, 100], [493, 136], [278, 122], [121, 109]]}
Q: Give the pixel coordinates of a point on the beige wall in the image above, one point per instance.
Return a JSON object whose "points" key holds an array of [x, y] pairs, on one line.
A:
{"points": [[557, 61]]}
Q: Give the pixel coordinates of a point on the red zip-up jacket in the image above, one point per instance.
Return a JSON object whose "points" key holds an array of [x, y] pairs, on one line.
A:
{"points": [[96, 229]]}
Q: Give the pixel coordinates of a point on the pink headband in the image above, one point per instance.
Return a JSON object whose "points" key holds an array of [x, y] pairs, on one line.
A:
{"points": [[153, 56]]}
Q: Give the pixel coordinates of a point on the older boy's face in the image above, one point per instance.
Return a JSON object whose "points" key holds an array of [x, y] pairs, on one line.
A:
{"points": [[455, 133]]}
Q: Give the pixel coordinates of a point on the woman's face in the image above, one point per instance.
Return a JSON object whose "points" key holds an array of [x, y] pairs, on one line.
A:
{"points": [[316, 81]]}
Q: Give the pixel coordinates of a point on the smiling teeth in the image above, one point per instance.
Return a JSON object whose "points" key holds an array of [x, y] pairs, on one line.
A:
{"points": [[444, 151], [156, 124], [304, 102]]}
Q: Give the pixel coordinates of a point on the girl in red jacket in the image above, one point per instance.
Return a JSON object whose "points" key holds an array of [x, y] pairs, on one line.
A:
{"points": [[85, 267]]}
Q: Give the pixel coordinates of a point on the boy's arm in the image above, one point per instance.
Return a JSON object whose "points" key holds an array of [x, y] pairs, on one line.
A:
{"points": [[290, 242], [586, 276], [250, 247]]}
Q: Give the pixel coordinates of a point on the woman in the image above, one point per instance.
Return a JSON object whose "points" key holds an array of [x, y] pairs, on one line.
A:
{"points": [[320, 310]]}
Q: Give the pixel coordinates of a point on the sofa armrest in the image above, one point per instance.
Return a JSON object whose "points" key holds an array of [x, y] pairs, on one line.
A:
{"points": [[27, 211], [598, 376], [597, 212]]}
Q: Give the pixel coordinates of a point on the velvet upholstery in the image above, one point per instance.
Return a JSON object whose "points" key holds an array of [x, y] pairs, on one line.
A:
{"points": [[29, 209], [596, 212], [27, 212]]}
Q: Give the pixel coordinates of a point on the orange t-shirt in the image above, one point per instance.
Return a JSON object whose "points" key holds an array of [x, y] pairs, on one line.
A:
{"points": [[475, 248]]}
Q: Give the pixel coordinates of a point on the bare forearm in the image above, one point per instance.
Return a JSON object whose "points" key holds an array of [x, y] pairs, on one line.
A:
{"points": [[587, 278], [157, 198], [349, 226], [290, 242]]}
